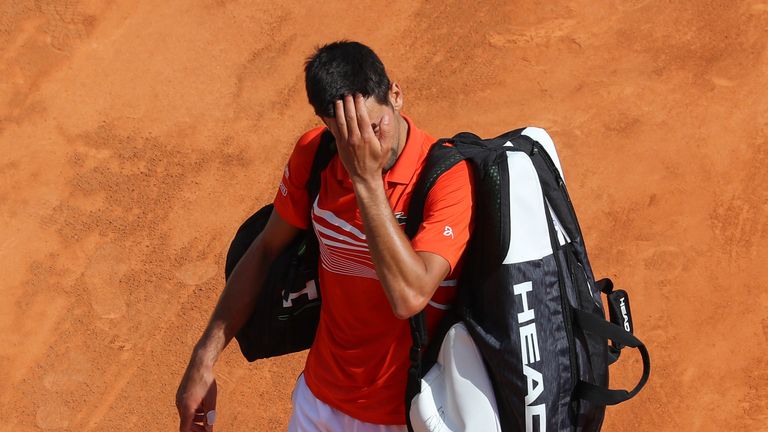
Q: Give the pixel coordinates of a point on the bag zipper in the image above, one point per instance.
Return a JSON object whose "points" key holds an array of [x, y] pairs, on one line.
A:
{"points": [[567, 314]]}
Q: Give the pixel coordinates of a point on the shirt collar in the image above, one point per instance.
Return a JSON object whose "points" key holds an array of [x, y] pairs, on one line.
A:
{"points": [[406, 164]]}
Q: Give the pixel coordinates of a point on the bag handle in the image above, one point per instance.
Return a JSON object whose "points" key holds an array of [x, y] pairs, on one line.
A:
{"points": [[596, 325]]}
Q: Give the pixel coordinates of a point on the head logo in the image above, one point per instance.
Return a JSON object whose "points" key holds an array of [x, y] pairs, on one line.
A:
{"points": [[624, 315], [529, 350]]}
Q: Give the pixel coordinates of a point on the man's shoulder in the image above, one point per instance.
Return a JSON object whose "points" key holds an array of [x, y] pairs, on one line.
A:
{"points": [[311, 138], [454, 186], [460, 173], [305, 148], [458, 176]]}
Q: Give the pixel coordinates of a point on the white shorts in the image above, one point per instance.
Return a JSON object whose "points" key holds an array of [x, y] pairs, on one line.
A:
{"points": [[312, 415]]}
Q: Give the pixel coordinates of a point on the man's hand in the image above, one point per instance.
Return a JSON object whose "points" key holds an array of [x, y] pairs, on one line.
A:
{"points": [[363, 153], [196, 397]]}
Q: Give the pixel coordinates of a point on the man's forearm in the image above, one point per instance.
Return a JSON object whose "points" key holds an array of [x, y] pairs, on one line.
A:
{"points": [[400, 269], [235, 305]]}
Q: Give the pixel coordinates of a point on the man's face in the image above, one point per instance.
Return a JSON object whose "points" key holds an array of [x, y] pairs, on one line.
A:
{"points": [[376, 113]]}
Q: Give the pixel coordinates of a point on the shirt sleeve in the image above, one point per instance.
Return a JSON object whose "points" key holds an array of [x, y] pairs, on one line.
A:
{"points": [[292, 199], [448, 216]]}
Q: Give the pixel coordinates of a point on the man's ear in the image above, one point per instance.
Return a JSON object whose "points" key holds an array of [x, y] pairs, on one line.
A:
{"points": [[396, 96]]}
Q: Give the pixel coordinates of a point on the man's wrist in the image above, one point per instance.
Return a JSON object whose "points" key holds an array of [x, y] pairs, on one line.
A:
{"points": [[365, 186], [204, 354], [203, 358]]}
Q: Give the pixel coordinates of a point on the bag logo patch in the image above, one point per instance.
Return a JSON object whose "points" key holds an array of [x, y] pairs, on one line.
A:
{"points": [[624, 315], [310, 289]]}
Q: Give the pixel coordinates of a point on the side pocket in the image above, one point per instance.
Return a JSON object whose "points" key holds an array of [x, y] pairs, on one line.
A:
{"points": [[481, 335], [584, 299]]}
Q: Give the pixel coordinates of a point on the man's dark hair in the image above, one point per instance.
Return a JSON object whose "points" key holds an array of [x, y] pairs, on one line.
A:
{"points": [[344, 68]]}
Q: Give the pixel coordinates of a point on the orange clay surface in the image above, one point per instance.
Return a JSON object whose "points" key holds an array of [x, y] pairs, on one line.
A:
{"points": [[135, 137]]}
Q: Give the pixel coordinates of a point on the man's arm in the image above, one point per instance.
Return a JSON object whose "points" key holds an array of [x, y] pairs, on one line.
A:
{"points": [[197, 390], [409, 278], [239, 296]]}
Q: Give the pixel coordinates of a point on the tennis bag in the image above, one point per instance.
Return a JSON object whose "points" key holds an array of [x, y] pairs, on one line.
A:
{"points": [[287, 309], [527, 299]]}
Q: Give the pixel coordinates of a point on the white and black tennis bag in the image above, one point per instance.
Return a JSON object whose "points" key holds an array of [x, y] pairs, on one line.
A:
{"points": [[528, 302]]}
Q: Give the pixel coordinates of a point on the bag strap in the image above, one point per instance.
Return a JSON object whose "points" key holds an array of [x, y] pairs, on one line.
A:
{"points": [[441, 158], [326, 150], [596, 325], [615, 300]]}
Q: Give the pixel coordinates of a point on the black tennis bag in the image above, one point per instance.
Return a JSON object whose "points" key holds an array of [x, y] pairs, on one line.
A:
{"points": [[287, 310], [527, 294]]}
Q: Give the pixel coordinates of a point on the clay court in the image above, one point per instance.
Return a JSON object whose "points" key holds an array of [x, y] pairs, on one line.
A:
{"points": [[137, 135]]}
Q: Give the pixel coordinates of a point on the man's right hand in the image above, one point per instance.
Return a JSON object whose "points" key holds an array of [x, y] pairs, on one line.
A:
{"points": [[195, 397]]}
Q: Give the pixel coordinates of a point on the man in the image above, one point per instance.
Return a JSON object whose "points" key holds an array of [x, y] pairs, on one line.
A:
{"points": [[372, 276]]}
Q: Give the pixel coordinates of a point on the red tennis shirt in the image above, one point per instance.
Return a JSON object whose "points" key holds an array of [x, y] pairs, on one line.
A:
{"points": [[358, 363]]}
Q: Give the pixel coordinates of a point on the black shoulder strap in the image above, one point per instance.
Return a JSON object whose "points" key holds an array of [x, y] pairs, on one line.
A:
{"points": [[323, 155], [441, 157], [325, 152]]}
